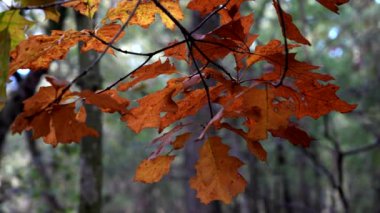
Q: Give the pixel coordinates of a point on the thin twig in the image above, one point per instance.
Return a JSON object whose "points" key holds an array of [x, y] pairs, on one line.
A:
{"points": [[206, 87], [283, 28], [362, 149], [85, 71], [209, 17], [137, 53], [124, 77]]}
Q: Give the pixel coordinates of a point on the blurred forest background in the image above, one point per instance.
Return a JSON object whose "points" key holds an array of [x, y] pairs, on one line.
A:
{"points": [[339, 172]]}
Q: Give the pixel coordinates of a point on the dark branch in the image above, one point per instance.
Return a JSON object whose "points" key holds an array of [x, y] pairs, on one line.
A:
{"points": [[42, 6], [283, 28]]}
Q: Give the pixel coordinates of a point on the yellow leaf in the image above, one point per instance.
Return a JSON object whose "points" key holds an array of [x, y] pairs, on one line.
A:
{"points": [[15, 24], [50, 12], [85, 7], [5, 43], [145, 13], [217, 175], [152, 170]]}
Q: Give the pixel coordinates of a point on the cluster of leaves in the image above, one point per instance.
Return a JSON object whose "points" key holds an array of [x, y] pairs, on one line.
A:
{"points": [[290, 90]]}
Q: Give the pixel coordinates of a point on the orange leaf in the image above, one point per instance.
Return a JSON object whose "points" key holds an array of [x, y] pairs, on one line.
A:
{"points": [[206, 7], [37, 52], [145, 13], [190, 104], [148, 72], [262, 52], [65, 126], [165, 140], [257, 150], [217, 175], [180, 140], [291, 30], [85, 7], [147, 114], [108, 101], [178, 52], [253, 146], [151, 171], [106, 32], [55, 122], [263, 113], [314, 99]]}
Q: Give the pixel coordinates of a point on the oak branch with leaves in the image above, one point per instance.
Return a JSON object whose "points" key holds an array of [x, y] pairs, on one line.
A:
{"points": [[267, 104]]}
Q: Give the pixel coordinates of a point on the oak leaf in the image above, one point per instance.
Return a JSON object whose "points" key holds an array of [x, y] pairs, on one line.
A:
{"points": [[106, 33], [217, 176], [85, 7], [180, 140], [108, 101], [145, 13], [178, 52], [294, 134], [66, 126], [314, 100], [54, 120], [152, 170], [206, 7], [291, 30], [148, 113], [56, 124], [189, 105], [148, 72], [37, 52], [165, 140], [254, 147], [332, 4]]}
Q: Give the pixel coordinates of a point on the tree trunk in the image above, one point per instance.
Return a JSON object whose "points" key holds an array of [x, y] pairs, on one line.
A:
{"points": [[90, 148], [14, 105]]}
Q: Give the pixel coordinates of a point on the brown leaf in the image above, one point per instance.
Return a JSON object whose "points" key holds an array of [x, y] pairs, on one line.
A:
{"points": [[65, 127], [291, 30], [206, 7], [148, 72], [295, 135], [147, 114], [164, 140], [253, 146], [189, 105], [56, 122], [178, 52], [180, 140], [152, 170], [332, 4], [217, 175], [108, 101]]}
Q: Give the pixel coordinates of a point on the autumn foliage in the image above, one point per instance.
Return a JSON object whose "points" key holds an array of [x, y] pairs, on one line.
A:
{"points": [[267, 104]]}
